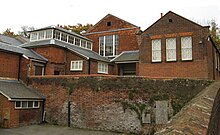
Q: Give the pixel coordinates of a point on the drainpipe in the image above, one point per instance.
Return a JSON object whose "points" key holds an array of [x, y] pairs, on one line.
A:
{"points": [[43, 112], [19, 68], [89, 67]]}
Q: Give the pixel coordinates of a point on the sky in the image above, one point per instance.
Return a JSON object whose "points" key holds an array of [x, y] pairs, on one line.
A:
{"points": [[143, 13]]}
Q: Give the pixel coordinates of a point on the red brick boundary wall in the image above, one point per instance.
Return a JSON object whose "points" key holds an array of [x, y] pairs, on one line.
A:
{"points": [[96, 101]]}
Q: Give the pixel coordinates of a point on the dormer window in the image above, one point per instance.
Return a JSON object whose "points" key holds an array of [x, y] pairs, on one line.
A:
{"points": [[109, 23], [63, 36]]}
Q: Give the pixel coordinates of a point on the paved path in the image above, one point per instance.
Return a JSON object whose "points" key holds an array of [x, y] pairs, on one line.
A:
{"points": [[52, 130]]}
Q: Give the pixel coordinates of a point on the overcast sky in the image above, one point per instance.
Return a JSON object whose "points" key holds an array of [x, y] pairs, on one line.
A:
{"points": [[42, 13]]}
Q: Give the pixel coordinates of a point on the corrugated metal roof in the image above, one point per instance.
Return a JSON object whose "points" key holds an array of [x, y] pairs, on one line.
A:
{"points": [[127, 56], [13, 90], [82, 51], [27, 52]]}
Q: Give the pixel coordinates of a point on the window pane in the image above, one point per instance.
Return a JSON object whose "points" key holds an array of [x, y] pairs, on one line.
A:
{"points": [[38, 70], [18, 104], [34, 36], [186, 48], [30, 104], [64, 37], [101, 46], [71, 40], [89, 45], [83, 44], [77, 41], [57, 35], [116, 44], [41, 35], [49, 34], [109, 45], [171, 49], [36, 104], [24, 104], [156, 50]]}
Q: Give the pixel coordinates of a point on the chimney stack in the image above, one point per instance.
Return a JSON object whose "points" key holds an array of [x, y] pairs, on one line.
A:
{"points": [[161, 14]]}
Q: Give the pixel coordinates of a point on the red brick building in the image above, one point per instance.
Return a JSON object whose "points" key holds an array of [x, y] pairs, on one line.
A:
{"points": [[112, 36], [176, 47], [19, 105], [67, 52]]}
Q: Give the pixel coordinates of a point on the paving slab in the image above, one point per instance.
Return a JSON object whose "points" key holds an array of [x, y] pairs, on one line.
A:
{"points": [[52, 130]]}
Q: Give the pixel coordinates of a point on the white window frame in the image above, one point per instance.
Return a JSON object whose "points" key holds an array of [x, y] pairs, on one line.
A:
{"points": [[79, 65], [182, 48], [170, 48], [113, 45], [27, 107], [102, 68], [156, 50]]}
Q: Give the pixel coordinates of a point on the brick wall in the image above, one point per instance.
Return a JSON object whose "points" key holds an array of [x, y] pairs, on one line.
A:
{"points": [[124, 37], [11, 117], [96, 102], [175, 26], [9, 63], [117, 24]]}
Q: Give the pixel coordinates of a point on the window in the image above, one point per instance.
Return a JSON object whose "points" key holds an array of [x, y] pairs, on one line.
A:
{"points": [[77, 41], [39, 70], [33, 36], [109, 23], [186, 48], [171, 49], [64, 37], [26, 104], [48, 34], [101, 45], [57, 35], [76, 65], [41, 35], [83, 44], [89, 45], [36, 104], [102, 68], [71, 40], [108, 45], [156, 50]]}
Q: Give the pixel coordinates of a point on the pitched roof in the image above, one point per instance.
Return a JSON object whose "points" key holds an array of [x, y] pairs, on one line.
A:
{"points": [[9, 40], [79, 50], [170, 12], [127, 57], [15, 90], [108, 15], [27, 52]]}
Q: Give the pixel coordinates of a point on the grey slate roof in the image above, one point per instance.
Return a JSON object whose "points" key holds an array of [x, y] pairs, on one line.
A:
{"points": [[9, 40], [15, 90], [127, 56], [79, 50], [27, 52]]}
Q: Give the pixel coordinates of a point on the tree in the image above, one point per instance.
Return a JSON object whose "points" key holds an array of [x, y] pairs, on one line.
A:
{"points": [[25, 31], [77, 28], [9, 33], [215, 33]]}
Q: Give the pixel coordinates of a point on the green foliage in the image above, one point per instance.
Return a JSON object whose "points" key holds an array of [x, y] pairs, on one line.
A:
{"points": [[77, 28], [9, 33], [215, 32]]}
